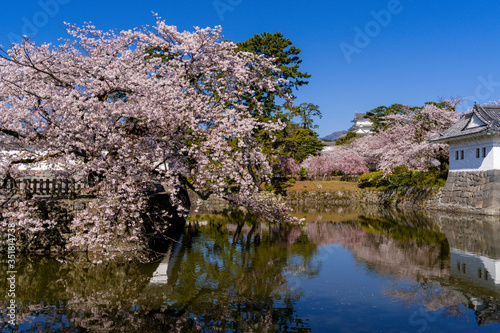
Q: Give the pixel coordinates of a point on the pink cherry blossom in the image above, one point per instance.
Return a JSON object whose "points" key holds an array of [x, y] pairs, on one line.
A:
{"points": [[119, 110], [405, 143]]}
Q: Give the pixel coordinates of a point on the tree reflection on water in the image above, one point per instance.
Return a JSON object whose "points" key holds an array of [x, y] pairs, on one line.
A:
{"points": [[232, 272], [226, 276], [420, 256]]}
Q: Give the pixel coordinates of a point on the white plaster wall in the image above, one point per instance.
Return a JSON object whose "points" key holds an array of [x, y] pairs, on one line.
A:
{"points": [[470, 162], [363, 131], [39, 166], [475, 122], [366, 123], [365, 126]]}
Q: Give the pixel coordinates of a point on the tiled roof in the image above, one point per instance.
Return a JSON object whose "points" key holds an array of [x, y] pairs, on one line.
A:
{"points": [[488, 114], [358, 116]]}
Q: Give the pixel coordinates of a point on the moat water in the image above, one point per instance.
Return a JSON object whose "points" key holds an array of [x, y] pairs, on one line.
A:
{"points": [[347, 269]]}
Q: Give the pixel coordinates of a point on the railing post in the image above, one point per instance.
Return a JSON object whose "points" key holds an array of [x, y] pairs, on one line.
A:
{"points": [[35, 182], [57, 185], [27, 188], [51, 191], [72, 193]]}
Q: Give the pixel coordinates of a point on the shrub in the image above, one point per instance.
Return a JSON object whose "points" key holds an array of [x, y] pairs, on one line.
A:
{"points": [[372, 179], [269, 188], [303, 173], [347, 138], [402, 177]]}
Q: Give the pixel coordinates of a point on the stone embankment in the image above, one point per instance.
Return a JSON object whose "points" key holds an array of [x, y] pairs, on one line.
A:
{"points": [[413, 198], [464, 192], [472, 192], [406, 197]]}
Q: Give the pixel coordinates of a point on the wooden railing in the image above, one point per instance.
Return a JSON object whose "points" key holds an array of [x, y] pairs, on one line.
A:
{"points": [[58, 187], [44, 186]]}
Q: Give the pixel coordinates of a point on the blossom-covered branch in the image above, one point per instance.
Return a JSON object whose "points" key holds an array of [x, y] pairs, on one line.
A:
{"points": [[117, 110]]}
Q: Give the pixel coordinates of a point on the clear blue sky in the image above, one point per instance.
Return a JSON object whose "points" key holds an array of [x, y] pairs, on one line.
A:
{"points": [[416, 52]]}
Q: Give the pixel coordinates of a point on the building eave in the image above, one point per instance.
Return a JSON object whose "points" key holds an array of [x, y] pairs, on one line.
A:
{"points": [[482, 114], [489, 115], [484, 133]]}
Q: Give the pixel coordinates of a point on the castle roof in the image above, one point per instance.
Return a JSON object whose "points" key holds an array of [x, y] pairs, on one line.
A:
{"points": [[358, 117], [483, 120]]}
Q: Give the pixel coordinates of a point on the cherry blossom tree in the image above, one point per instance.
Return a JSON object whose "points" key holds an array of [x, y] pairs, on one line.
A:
{"points": [[339, 159], [286, 166], [118, 111], [404, 142]]}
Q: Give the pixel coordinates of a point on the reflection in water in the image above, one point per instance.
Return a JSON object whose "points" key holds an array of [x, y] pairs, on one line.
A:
{"points": [[165, 268], [435, 274], [406, 251], [226, 276], [475, 247], [475, 261], [412, 259], [231, 272], [475, 268]]}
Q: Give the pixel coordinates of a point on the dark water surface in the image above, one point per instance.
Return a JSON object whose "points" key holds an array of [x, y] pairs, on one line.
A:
{"points": [[346, 270]]}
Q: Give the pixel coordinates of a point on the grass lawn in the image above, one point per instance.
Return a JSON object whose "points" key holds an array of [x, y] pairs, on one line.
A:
{"points": [[326, 185]]}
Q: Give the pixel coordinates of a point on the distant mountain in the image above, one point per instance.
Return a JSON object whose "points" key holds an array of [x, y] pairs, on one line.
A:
{"points": [[335, 135]]}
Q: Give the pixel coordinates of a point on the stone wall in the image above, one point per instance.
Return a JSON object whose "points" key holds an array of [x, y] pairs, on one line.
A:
{"points": [[406, 197], [414, 198], [465, 192], [211, 205], [476, 192], [472, 191]]}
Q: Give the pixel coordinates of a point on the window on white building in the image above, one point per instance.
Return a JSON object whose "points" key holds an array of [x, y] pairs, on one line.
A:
{"points": [[456, 155], [478, 153], [461, 154], [484, 151]]}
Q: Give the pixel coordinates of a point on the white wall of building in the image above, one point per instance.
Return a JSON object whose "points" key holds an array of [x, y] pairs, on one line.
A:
{"points": [[363, 131], [365, 122], [36, 167], [470, 161], [364, 126]]}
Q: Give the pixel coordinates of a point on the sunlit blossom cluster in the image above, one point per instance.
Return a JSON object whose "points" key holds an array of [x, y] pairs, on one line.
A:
{"points": [[405, 142]]}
